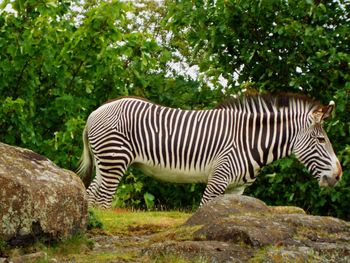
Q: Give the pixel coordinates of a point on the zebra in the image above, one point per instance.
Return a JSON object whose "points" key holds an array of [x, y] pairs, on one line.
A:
{"points": [[223, 147]]}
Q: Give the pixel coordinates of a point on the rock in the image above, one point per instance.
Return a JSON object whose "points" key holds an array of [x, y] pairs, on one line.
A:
{"points": [[235, 228], [226, 205], [286, 210], [250, 230], [34, 257], [290, 255], [105, 243], [38, 200], [322, 223], [202, 251]]}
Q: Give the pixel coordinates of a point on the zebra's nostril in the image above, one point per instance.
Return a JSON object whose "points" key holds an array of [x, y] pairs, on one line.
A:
{"points": [[340, 170], [337, 177]]}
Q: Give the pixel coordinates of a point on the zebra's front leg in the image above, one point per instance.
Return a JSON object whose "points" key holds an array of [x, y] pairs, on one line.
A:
{"points": [[215, 187], [235, 190]]}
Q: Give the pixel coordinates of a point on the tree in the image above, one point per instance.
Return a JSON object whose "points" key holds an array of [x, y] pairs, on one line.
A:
{"points": [[60, 60], [56, 68], [277, 46]]}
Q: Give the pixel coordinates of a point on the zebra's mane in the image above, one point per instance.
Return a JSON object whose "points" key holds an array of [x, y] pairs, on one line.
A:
{"points": [[127, 97], [246, 102]]}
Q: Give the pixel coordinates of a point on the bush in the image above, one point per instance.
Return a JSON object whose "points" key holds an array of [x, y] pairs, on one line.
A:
{"points": [[58, 64], [93, 221]]}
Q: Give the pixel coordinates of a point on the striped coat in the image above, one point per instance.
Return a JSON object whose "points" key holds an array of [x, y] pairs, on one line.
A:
{"points": [[223, 148]]}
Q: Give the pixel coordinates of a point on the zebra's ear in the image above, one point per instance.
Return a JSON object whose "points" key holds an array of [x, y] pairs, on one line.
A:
{"points": [[324, 112], [327, 110]]}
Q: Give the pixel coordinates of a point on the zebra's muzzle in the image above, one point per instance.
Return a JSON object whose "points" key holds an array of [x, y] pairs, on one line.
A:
{"points": [[329, 181]]}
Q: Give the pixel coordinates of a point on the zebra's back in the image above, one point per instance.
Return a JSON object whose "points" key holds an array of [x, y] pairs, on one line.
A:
{"points": [[171, 144]]}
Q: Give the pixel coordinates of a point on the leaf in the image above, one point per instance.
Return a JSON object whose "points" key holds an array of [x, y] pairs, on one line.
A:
{"points": [[149, 200]]}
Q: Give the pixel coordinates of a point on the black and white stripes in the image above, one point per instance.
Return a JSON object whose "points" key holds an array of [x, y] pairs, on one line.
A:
{"points": [[223, 147]]}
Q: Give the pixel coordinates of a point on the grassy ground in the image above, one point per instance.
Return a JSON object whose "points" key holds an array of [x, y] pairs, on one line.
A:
{"points": [[139, 236], [123, 222], [123, 238]]}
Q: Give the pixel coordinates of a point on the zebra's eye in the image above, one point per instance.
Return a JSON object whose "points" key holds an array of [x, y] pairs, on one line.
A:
{"points": [[321, 139]]}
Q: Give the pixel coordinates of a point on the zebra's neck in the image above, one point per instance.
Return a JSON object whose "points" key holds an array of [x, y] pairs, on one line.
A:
{"points": [[267, 136]]}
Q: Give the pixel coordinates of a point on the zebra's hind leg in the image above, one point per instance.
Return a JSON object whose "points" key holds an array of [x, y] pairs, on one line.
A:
{"points": [[91, 193], [93, 189], [109, 184], [112, 168]]}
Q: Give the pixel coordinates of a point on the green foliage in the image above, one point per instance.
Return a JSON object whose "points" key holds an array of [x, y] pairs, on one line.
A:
{"points": [[93, 221], [142, 192], [55, 69], [14, 120], [277, 46], [287, 182], [78, 243], [3, 247], [57, 64], [129, 193], [149, 200], [265, 42]]}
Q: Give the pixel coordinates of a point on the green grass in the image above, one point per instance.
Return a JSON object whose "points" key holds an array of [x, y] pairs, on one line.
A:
{"points": [[98, 257], [128, 223], [3, 246], [172, 258], [122, 223], [77, 243]]}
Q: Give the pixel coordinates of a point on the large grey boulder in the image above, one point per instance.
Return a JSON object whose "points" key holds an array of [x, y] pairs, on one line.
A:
{"points": [[234, 228], [38, 200], [226, 205]]}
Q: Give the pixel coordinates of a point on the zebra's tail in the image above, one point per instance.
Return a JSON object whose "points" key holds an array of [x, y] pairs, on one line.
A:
{"points": [[86, 163]]}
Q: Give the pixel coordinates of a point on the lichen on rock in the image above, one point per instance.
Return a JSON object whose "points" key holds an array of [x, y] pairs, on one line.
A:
{"points": [[234, 228], [38, 200]]}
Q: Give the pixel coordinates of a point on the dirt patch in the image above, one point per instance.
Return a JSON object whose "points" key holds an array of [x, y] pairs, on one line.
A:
{"points": [[119, 210], [146, 229]]}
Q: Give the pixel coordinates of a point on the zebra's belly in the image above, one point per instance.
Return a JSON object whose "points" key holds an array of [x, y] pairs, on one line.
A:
{"points": [[174, 175]]}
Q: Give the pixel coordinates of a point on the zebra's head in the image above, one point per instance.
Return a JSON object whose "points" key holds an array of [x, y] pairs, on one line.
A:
{"points": [[314, 149]]}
